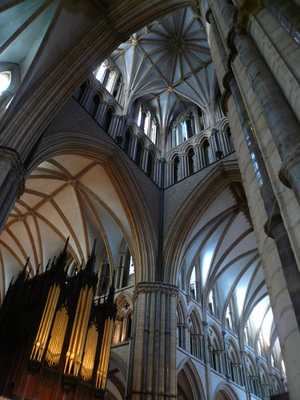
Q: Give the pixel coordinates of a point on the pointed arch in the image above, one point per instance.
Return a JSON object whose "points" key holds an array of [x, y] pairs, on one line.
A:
{"points": [[190, 386]]}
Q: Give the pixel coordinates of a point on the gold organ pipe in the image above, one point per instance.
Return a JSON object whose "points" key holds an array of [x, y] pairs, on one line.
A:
{"points": [[37, 342], [104, 355], [45, 323], [51, 314], [86, 318], [99, 369], [89, 353], [57, 337], [79, 331], [79, 306]]}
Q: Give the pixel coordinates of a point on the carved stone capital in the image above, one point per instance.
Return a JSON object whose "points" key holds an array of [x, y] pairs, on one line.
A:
{"points": [[152, 287]]}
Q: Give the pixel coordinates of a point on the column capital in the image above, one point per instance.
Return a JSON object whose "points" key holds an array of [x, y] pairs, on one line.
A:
{"points": [[150, 287]]}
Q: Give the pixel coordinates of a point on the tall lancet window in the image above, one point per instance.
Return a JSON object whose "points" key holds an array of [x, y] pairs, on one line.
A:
{"points": [[147, 123], [111, 81], [139, 119], [101, 71], [193, 289], [5, 81], [153, 132]]}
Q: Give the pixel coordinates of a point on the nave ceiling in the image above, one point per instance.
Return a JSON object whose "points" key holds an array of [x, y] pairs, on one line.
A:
{"points": [[167, 65], [66, 196]]}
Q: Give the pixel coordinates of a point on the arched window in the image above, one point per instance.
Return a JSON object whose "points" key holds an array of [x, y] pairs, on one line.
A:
{"points": [[176, 169], [264, 383], [190, 126], [215, 351], [212, 302], [200, 118], [276, 386], [117, 85], [253, 379], [128, 269], [153, 132], [101, 72], [139, 117], [5, 81], [111, 81], [174, 135], [180, 326], [147, 123], [234, 365], [229, 317], [123, 322], [195, 337], [206, 153], [193, 287], [191, 155], [219, 151]]}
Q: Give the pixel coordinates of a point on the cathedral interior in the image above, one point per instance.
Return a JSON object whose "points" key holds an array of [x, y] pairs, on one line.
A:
{"points": [[150, 199]]}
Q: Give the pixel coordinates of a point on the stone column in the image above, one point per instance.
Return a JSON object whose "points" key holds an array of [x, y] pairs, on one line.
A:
{"points": [[153, 344], [100, 116], [198, 156], [284, 285], [117, 127], [183, 171], [145, 157], [207, 360], [11, 181], [281, 271]]}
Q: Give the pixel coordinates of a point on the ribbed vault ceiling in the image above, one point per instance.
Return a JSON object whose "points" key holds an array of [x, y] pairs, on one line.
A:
{"points": [[167, 64], [222, 247], [67, 196]]}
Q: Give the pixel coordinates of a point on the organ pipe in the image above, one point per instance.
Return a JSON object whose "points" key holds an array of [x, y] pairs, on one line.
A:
{"points": [[89, 353], [102, 369], [45, 324], [79, 330], [57, 337]]}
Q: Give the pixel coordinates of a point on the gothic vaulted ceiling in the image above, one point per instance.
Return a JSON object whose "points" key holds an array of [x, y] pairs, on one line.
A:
{"points": [[223, 250], [168, 64], [64, 197]]}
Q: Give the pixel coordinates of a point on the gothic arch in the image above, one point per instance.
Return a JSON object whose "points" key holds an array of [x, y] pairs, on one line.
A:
{"points": [[225, 392], [189, 383], [81, 143], [209, 188]]}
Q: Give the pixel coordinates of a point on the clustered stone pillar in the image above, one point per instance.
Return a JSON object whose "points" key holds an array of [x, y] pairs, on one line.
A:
{"points": [[281, 270], [153, 344], [11, 181]]}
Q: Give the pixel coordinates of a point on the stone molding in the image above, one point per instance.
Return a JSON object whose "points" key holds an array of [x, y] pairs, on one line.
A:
{"points": [[151, 287]]}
